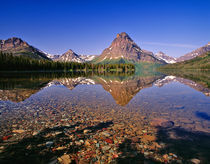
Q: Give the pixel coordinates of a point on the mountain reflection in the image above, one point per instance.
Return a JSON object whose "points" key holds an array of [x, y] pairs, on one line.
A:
{"points": [[122, 87], [124, 91], [190, 83]]}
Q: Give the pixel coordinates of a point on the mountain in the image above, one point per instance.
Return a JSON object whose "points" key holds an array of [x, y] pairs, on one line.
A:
{"points": [[147, 52], [199, 62], [124, 49], [71, 56], [19, 47], [162, 56], [195, 53]]}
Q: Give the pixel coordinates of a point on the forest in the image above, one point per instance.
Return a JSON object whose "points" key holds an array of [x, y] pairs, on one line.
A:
{"points": [[9, 62]]}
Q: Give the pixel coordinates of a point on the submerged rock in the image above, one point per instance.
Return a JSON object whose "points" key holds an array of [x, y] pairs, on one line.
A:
{"points": [[18, 131], [195, 161], [105, 148], [105, 134], [49, 143], [159, 122], [148, 138], [64, 159]]}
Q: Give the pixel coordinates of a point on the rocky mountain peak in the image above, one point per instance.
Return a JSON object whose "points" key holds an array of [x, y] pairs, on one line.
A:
{"points": [[11, 43], [123, 47], [17, 46], [70, 51], [70, 56], [123, 39], [162, 56], [123, 35]]}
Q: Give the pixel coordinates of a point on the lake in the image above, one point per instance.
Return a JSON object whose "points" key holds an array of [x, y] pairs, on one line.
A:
{"points": [[112, 118]]}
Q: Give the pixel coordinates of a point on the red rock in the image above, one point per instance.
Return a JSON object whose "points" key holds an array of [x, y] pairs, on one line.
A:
{"points": [[109, 141], [115, 156], [6, 137]]}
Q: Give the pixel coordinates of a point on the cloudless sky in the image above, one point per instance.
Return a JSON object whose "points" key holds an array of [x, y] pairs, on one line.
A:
{"points": [[89, 26]]}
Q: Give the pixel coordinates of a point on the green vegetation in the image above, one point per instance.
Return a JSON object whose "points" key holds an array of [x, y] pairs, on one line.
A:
{"points": [[9, 62], [201, 62], [196, 69], [140, 67], [111, 61]]}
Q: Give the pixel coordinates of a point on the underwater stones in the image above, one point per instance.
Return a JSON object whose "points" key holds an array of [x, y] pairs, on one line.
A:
{"points": [[87, 143], [76, 129], [18, 131], [105, 148], [148, 138], [64, 159], [86, 131], [35, 133], [195, 161], [61, 148], [167, 124], [6, 137], [110, 141], [159, 122], [106, 134], [135, 139], [2, 149], [49, 143]]}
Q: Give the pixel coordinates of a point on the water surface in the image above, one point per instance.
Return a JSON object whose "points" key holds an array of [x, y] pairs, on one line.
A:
{"points": [[108, 118]]}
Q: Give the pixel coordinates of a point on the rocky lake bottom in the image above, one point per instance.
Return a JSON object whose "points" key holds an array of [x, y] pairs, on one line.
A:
{"points": [[152, 118]]}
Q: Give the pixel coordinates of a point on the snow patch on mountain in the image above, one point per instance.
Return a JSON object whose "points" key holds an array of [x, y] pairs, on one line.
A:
{"points": [[162, 56], [87, 58]]}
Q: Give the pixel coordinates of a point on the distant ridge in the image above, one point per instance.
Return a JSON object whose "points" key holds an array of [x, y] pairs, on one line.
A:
{"points": [[195, 53], [71, 56]]}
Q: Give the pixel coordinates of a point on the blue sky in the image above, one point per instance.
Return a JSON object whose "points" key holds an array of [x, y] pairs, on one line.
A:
{"points": [[87, 27]]}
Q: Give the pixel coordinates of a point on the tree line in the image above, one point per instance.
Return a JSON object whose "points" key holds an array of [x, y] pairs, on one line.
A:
{"points": [[9, 62]]}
